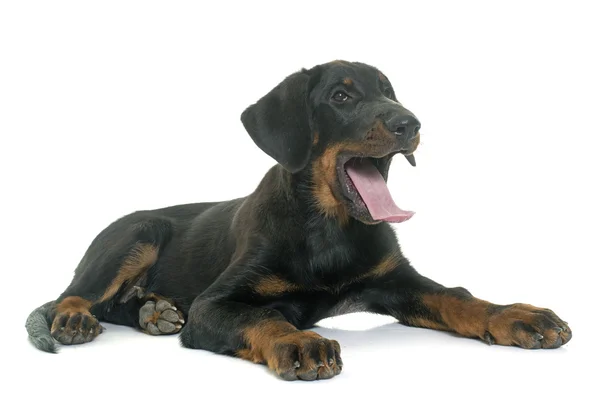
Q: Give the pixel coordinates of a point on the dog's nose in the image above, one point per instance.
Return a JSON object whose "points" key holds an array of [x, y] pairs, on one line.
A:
{"points": [[404, 126]]}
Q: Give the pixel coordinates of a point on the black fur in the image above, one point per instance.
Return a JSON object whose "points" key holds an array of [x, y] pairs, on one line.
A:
{"points": [[279, 122]]}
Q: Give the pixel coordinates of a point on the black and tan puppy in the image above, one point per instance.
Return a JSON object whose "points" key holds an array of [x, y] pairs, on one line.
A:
{"points": [[245, 277]]}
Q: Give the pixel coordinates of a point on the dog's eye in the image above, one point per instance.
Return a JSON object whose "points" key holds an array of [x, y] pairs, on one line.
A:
{"points": [[388, 93], [340, 96]]}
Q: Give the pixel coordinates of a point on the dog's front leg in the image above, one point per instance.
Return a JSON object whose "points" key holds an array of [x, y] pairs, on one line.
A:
{"points": [[417, 301], [261, 335]]}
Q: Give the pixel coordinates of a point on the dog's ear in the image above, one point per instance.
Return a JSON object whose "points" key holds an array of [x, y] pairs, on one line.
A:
{"points": [[279, 122]]}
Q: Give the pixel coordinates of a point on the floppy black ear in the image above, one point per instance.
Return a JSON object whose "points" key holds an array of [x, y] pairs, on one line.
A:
{"points": [[279, 122]]}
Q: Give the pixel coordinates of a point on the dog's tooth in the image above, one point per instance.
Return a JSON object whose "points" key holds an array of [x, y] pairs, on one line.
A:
{"points": [[411, 159]]}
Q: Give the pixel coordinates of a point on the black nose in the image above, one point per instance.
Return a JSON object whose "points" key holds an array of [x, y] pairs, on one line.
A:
{"points": [[404, 126]]}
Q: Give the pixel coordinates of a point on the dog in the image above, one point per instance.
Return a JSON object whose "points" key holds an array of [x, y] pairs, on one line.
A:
{"points": [[247, 277]]}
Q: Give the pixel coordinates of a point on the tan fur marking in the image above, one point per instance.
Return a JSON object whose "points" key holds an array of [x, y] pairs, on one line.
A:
{"points": [[381, 134], [134, 266], [347, 81], [73, 304], [315, 138], [466, 317], [261, 339], [324, 176], [274, 285], [388, 264]]}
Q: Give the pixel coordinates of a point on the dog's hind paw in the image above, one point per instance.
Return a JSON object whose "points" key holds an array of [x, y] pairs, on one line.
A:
{"points": [[72, 328], [160, 318]]}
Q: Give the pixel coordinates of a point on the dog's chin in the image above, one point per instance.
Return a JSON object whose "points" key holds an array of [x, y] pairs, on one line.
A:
{"points": [[347, 192], [359, 211]]}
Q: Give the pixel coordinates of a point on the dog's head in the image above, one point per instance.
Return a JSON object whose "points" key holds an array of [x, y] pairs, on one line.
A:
{"points": [[341, 123]]}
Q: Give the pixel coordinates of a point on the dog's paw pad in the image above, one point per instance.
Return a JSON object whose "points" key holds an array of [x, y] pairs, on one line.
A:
{"points": [[163, 305], [160, 318]]}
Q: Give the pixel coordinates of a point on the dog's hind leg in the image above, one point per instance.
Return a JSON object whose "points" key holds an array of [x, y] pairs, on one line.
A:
{"points": [[116, 262]]}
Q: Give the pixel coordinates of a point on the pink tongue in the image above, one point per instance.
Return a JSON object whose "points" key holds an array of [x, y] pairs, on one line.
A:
{"points": [[374, 191]]}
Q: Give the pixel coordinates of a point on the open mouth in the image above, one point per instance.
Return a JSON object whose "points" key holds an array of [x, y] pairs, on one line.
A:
{"points": [[364, 186]]}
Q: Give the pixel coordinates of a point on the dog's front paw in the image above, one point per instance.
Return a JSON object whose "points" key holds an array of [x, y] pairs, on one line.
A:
{"points": [[526, 326], [306, 356]]}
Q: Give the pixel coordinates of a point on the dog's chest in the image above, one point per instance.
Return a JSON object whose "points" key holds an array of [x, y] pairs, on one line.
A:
{"points": [[329, 250], [336, 264]]}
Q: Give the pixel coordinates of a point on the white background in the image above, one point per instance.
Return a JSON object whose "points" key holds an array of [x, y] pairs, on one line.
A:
{"points": [[113, 106]]}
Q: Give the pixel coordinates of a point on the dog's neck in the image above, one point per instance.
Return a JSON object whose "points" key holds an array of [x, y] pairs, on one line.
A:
{"points": [[297, 191]]}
